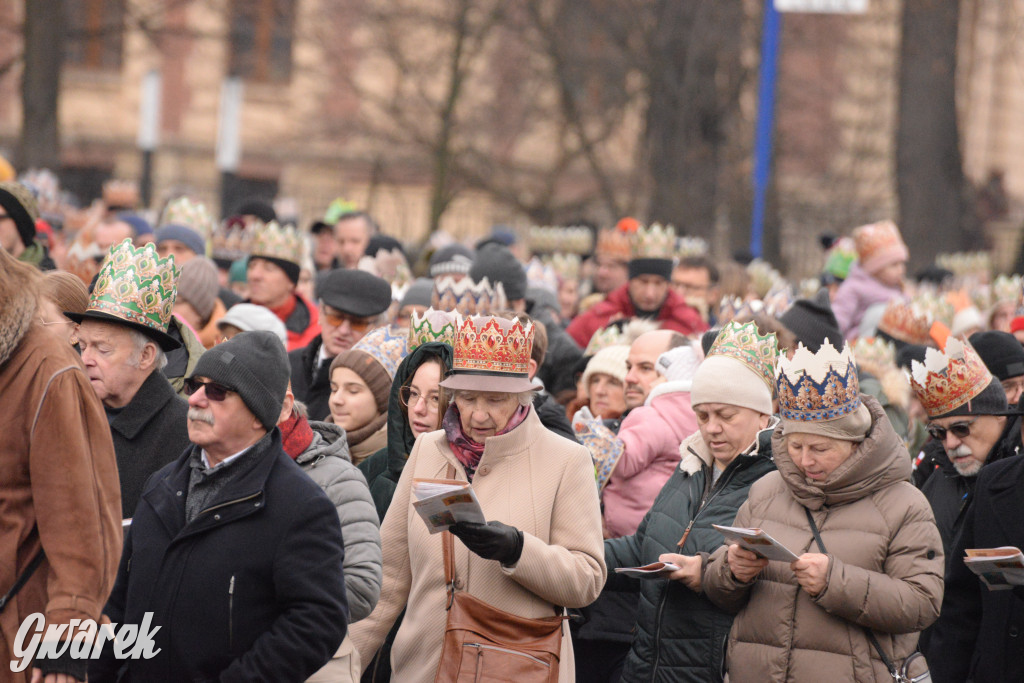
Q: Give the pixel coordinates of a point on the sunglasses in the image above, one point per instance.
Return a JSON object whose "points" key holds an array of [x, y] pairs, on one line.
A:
{"points": [[960, 430], [215, 391], [355, 324]]}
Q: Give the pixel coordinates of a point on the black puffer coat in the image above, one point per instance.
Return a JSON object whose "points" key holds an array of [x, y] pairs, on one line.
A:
{"points": [[680, 635]]}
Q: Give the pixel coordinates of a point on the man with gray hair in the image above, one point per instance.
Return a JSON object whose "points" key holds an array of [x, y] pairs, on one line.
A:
{"points": [[123, 337]]}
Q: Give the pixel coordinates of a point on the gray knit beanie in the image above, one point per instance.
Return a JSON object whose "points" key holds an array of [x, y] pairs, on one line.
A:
{"points": [[498, 264], [255, 365], [198, 285]]}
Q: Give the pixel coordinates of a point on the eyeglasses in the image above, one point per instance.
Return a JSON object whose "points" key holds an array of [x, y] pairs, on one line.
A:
{"points": [[57, 322], [960, 430], [355, 324], [215, 391], [410, 398]]}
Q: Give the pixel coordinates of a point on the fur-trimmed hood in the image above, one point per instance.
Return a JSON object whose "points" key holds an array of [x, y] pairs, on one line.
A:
{"points": [[17, 309], [695, 454]]}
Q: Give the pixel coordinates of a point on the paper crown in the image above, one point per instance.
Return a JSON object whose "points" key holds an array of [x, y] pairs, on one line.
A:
{"points": [[816, 387], [232, 239], [388, 345], [285, 244], [947, 380], [121, 193], [874, 354], [733, 307], [870, 239], [433, 326], [764, 278], [688, 246], [338, 208], [743, 342], [566, 266], [653, 242], [498, 347], [541, 275], [605, 337], [907, 323], [613, 243], [967, 264], [1007, 288], [840, 258], [548, 239], [467, 297], [195, 215], [137, 287]]}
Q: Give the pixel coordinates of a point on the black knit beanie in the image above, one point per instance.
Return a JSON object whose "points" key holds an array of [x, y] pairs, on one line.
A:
{"points": [[255, 365], [20, 204], [813, 322], [662, 267], [1002, 354], [290, 269], [498, 264]]}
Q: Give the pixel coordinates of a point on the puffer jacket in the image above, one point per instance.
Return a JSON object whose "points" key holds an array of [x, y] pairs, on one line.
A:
{"points": [[680, 634], [885, 568], [650, 435], [326, 461], [858, 293]]}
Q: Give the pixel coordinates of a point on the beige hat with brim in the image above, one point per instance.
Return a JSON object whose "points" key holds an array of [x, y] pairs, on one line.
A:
{"points": [[850, 427], [503, 384]]}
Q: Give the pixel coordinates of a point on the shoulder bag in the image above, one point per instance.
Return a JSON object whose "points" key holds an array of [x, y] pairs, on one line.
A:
{"points": [[484, 643], [901, 674]]}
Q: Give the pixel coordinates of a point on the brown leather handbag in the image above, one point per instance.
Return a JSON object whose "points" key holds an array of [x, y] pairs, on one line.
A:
{"points": [[483, 644]]}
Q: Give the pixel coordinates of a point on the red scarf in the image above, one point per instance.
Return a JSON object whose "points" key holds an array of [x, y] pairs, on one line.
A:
{"points": [[296, 435], [465, 449]]}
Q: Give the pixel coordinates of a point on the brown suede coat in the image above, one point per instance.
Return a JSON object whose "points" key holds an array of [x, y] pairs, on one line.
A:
{"points": [[885, 570], [59, 478]]}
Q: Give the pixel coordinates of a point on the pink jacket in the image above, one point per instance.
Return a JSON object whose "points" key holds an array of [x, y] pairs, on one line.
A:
{"points": [[651, 435], [859, 292]]}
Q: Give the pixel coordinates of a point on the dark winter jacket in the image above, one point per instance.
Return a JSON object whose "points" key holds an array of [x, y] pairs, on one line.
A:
{"points": [[251, 590], [680, 635], [552, 415], [311, 380], [562, 355], [148, 433], [980, 633]]}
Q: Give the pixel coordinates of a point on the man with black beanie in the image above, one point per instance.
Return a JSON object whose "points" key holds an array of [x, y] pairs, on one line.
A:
{"points": [[243, 582], [272, 275]]}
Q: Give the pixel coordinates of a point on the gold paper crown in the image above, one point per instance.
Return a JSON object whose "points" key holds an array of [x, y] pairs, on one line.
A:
{"points": [[195, 215], [613, 243], [874, 354], [493, 346], [605, 337], [433, 326], [875, 236], [764, 278], [743, 342], [121, 193], [276, 242], [540, 274], [232, 239], [566, 266], [970, 264], [468, 297], [136, 286], [947, 380], [691, 246], [732, 307], [817, 387], [1007, 288], [573, 239], [906, 322], [656, 242]]}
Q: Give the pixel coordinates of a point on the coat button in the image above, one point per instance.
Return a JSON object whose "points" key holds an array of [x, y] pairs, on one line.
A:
{"points": [[484, 471], [217, 517], [1013, 632], [459, 584], [179, 493], [256, 505]]}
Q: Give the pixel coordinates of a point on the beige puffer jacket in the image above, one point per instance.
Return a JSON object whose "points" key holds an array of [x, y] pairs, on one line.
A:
{"points": [[885, 571]]}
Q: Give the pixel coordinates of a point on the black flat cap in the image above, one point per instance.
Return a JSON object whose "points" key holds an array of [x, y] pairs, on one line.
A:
{"points": [[355, 292]]}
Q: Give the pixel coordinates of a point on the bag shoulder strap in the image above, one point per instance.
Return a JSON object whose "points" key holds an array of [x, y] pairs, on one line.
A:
{"points": [[871, 636], [448, 552], [23, 579]]}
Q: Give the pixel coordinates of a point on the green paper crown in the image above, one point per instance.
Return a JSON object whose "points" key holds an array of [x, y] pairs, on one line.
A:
{"points": [[434, 326], [136, 285], [743, 342]]}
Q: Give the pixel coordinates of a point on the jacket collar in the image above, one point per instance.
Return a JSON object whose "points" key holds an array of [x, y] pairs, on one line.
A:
{"points": [[150, 399], [695, 453]]}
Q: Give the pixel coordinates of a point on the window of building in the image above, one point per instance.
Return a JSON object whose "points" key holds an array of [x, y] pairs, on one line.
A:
{"points": [[261, 40], [95, 33]]}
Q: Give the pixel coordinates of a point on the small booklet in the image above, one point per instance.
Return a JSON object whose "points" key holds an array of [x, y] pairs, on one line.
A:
{"points": [[443, 502], [998, 568], [655, 570], [756, 541]]}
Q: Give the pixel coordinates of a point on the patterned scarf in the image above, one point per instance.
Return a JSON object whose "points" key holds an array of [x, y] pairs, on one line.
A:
{"points": [[466, 450], [296, 435]]}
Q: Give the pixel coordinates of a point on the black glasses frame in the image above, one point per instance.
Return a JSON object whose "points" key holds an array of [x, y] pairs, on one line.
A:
{"points": [[960, 430]]}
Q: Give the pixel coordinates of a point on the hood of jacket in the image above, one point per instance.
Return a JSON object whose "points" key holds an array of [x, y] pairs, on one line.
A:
{"points": [[879, 461], [17, 309], [694, 453], [328, 439], [400, 437]]}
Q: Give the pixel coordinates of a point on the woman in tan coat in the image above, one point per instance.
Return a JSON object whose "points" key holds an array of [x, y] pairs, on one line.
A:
{"points": [[838, 457], [545, 553]]}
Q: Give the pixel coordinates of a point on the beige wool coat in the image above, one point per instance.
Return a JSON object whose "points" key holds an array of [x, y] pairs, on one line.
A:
{"points": [[531, 478], [885, 569]]}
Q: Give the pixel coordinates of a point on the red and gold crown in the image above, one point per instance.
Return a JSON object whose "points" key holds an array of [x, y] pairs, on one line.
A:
{"points": [[467, 297], [907, 323], [870, 239], [613, 243], [947, 380], [817, 387], [492, 354], [433, 326]]}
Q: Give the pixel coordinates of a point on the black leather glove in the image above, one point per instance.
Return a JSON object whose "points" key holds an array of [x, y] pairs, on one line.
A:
{"points": [[491, 541]]}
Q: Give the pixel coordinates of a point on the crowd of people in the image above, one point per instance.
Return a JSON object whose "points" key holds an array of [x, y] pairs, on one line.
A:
{"points": [[219, 431]]}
